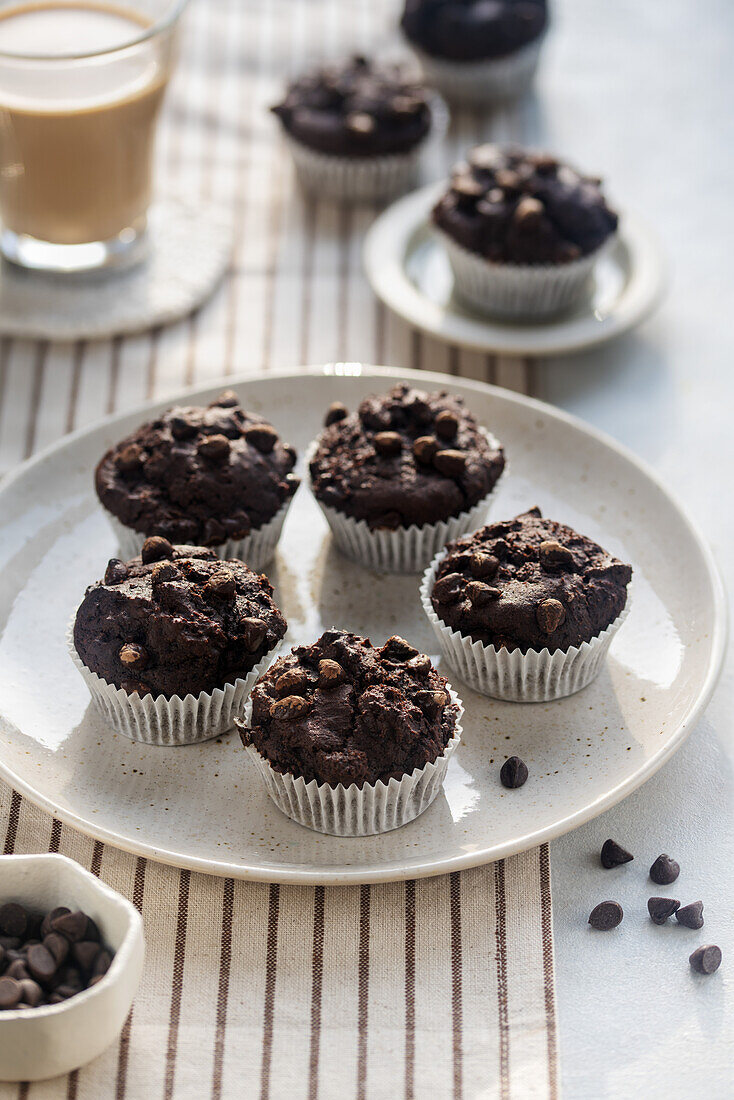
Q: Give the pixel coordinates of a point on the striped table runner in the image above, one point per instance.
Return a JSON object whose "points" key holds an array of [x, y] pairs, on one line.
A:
{"points": [[439, 987]]}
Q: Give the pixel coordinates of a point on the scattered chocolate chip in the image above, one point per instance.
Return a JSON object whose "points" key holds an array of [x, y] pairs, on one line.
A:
{"points": [[513, 773], [31, 992], [482, 566], [164, 571], [253, 633], [331, 674], [420, 664], [387, 444], [397, 649], [528, 210], [664, 870], [214, 448], [71, 925], [481, 594], [335, 412], [182, 428], [13, 919], [58, 945], [446, 424], [614, 855], [41, 963], [228, 399], [291, 706], [156, 548], [554, 556], [133, 655], [292, 682], [59, 911], [424, 449], [431, 702], [706, 959], [448, 588], [10, 992], [661, 908], [449, 463], [550, 614], [221, 585], [691, 915], [116, 572], [262, 437], [129, 458], [606, 915]]}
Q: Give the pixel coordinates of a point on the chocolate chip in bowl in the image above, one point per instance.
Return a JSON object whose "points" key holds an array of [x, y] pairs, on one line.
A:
{"points": [[216, 476], [402, 475], [525, 609], [71, 957], [349, 738]]}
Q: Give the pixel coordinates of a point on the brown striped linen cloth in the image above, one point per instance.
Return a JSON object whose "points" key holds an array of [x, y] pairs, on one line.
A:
{"points": [[441, 987]]}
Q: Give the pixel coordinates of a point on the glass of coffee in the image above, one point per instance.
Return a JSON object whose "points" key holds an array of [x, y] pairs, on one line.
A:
{"points": [[81, 86]]}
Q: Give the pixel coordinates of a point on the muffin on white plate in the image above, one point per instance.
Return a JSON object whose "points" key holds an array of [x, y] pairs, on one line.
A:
{"points": [[522, 231], [350, 738]]}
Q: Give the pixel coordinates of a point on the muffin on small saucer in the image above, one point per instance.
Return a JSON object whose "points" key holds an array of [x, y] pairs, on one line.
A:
{"points": [[522, 231], [171, 642], [527, 608], [351, 738], [217, 476], [401, 476], [477, 52], [355, 129]]}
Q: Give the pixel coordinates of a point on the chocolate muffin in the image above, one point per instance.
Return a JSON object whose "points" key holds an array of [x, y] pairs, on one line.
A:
{"points": [[355, 109], [529, 584], [512, 206], [342, 711], [473, 30], [199, 475], [404, 458], [176, 621]]}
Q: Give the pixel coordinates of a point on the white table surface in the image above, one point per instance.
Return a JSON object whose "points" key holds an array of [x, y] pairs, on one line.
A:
{"points": [[642, 93]]}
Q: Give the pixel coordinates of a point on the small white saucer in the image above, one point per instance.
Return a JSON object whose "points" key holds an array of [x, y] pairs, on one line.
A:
{"points": [[409, 271], [189, 248]]}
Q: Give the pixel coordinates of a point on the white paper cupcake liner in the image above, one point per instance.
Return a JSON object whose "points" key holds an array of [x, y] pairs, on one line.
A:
{"points": [[357, 811], [531, 291], [479, 83], [409, 549], [537, 676], [174, 721], [256, 550]]}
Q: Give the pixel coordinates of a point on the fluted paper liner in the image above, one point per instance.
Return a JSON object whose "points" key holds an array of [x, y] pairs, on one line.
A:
{"points": [[531, 291], [168, 722], [357, 811], [478, 83], [256, 550], [408, 549], [537, 676]]}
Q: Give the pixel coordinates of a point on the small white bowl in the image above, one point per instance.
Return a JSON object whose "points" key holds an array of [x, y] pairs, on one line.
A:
{"points": [[55, 1039]]}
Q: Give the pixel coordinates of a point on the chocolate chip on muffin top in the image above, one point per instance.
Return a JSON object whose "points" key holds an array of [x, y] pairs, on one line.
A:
{"points": [[473, 30], [356, 109], [405, 457], [177, 620], [198, 475], [344, 711], [529, 583], [513, 206]]}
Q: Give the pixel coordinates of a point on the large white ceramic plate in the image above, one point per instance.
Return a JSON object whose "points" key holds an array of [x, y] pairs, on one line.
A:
{"points": [[203, 806], [410, 272]]}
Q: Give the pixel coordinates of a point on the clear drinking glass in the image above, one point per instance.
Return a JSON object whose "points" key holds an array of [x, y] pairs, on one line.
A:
{"points": [[81, 86]]}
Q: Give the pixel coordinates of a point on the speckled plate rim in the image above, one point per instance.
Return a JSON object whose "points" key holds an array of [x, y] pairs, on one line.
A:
{"points": [[400, 870], [386, 246]]}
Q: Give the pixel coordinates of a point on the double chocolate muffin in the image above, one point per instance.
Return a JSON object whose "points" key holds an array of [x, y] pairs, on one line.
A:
{"points": [[404, 458], [198, 475], [529, 584], [355, 109], [473, 30], [342, 711], [511, 206], [176, 621]]}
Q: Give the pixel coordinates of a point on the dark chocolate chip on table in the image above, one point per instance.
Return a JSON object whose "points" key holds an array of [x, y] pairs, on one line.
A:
{"points": [[706, 959], [606, 915], [513, 773], [614, 855], [664, 870], [661, 908], [691, 916]]}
